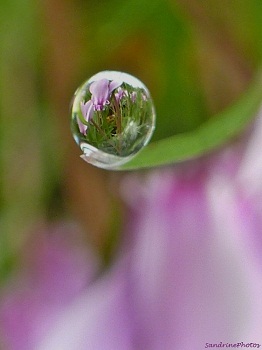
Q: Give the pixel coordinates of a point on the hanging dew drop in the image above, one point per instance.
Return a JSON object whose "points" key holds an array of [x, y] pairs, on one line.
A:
{"points": [[113, 118]]}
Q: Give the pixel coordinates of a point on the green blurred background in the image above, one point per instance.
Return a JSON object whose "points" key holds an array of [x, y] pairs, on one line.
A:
{"points": [[196, 57]]}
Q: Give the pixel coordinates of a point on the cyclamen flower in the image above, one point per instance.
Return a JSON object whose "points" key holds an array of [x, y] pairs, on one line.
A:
{"points": [[120, 94], [101, 91], [133, 96], [58, 270], [87, 112], [189, 272]]}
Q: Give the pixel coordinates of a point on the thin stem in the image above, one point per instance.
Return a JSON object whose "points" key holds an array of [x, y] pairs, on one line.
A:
{"points": [[104, 134], [100, 118], [118, 116]]}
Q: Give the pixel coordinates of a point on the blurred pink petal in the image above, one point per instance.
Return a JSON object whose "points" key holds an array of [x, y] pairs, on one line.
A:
{"points": [[250, 171], [184, 277], [98, 319], [188, 273], [192, 284], [58, 269]]}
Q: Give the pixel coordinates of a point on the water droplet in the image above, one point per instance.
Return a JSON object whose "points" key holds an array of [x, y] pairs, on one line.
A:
{"points": [[113, 118]]}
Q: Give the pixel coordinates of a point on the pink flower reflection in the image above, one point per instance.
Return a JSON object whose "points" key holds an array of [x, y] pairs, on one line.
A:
{"points": [[101, 91]]}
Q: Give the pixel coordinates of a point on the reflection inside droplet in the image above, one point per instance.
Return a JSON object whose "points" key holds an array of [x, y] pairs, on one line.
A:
{"points": [[113, 118]]}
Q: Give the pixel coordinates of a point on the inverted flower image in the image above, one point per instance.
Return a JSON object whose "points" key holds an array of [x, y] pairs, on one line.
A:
{"points": [[101, 91], [116, 117], [154, 241]]}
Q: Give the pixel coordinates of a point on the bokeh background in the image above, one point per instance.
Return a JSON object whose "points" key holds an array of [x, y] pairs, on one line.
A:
{"points": [[196, 57]]}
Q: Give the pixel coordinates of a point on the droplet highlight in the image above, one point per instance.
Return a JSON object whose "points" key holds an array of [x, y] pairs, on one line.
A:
{"points": [[112, 119]]}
